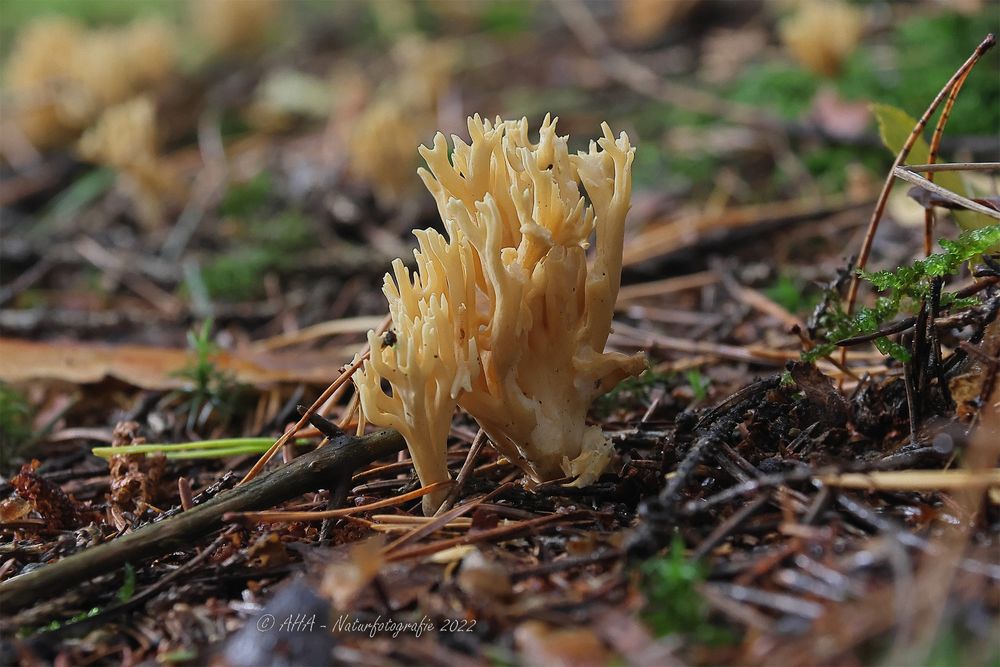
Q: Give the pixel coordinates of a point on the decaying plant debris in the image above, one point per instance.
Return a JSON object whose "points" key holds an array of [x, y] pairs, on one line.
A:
{"points": [[807, 473]]}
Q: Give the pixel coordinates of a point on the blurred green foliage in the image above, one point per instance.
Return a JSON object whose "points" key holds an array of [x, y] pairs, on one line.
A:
{"points": [[15, 425], [828, 164], [955, 645], [263, 245], [81, 193], [673, 603], [508, 17], [264, 241], [286, 233], [699, 383], [926, 51], [243, 200], [15, 14], [929, 50], [792, 295], [236, 275], [785, 89]]}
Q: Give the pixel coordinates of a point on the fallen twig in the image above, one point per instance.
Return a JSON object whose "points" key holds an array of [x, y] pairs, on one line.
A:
{"points": [[944, 193], [309, 472]]}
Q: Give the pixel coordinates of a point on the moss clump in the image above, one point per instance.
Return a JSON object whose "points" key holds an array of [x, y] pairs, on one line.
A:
{"points": [[903, 289], [674, 604]]}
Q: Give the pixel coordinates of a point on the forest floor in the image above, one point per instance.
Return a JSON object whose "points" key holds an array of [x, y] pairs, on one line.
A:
{"points": [[760, 509]]}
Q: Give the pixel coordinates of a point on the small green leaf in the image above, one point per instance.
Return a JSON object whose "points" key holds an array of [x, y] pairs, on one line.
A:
{"points": [[895, 126]]}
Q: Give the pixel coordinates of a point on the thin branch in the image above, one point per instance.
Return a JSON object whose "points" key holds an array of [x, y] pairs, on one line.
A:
{"points": [[866, 245], [309, 472], [280, 515], [944, 193], [463, 474], [932, 158], [952, 166], [304, 419]]}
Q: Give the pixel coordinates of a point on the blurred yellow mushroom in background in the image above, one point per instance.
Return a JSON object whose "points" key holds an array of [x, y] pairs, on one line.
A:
{"points": [[60, 76], [821, 34]]}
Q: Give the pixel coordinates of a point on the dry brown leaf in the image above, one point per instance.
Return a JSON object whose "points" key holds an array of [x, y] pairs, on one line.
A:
{"points": [[484, 578], [14, 508], [268, 551], [345, 579], [155, 367], [540, 644]]}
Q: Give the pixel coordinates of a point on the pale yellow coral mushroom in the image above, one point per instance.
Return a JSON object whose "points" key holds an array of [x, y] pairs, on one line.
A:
{"points": [[429, 360], [385, 162], [536, 313]]}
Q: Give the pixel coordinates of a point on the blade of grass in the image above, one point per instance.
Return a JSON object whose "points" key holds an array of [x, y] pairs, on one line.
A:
{"points": [[250, 444]]}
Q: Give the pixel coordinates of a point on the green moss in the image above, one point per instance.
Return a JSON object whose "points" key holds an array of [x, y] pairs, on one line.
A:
{"points": [[829, 164], [15, 425], [507, 17], [249, 198], [785, 89], [673, 603], [237, 275], [285, 233], [272, 244], [903, 289]]}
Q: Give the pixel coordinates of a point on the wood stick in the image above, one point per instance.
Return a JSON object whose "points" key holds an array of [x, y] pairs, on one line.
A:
{"points": [[944, 193], [952, 166], [309, 472]]}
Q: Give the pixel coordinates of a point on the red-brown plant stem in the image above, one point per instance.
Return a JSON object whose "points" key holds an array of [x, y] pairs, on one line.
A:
{"points": [[342, 380], [866, 245], [932, 158], [345, 376]]}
